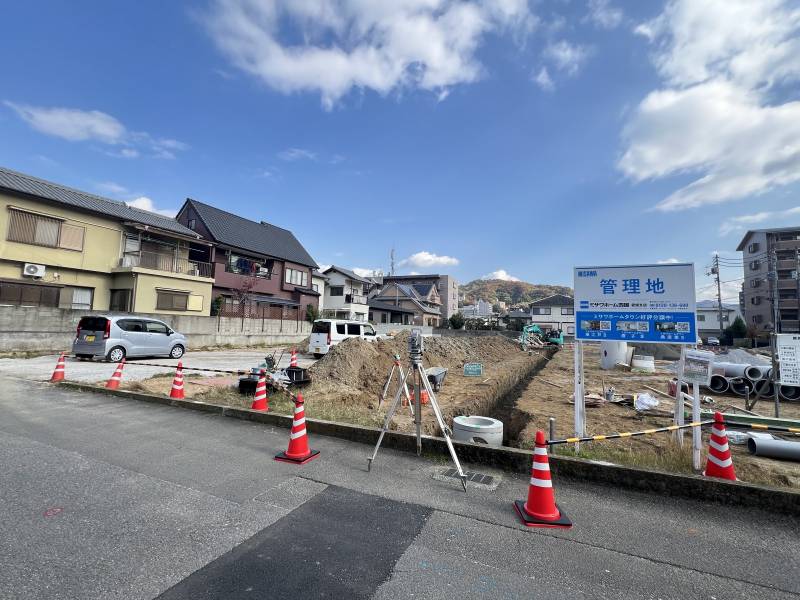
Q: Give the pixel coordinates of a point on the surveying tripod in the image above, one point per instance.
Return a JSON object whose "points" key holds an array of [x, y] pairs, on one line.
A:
{"points": [[419, 382]]}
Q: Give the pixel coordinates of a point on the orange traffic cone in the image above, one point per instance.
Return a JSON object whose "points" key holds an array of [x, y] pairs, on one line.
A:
{"points": [[260, 400], [541, 509], [177, 384], [293, 361], [58, 373], [298, 451], [113, 383], [720, 463]]}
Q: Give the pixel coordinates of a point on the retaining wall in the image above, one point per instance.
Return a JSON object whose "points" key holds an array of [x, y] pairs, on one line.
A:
{"points": [[45, 329]]}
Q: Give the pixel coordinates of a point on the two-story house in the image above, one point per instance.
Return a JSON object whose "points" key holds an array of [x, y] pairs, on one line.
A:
{"points": [[554, 312], [423, 300], [345, 294], [708, 323], [260, 270], [446, 286], [61, 247]]}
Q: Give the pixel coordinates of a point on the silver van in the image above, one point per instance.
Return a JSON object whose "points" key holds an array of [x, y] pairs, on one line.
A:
{"points": [[118, 337]]}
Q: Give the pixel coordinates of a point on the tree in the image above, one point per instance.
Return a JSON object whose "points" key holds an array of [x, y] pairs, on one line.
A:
{"points": [[312, 313], [737, 329], [457, 321]]}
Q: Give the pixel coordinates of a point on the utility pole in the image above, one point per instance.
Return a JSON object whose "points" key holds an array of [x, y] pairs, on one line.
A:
{"points": [[772, 278], [715, 271], [391, 268]]}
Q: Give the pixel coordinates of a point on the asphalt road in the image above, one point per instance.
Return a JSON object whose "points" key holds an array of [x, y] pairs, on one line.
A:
{"points": [[107, 498], [41, 368]]}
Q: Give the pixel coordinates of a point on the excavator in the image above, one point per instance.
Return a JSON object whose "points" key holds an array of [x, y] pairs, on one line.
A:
{"points": [[532, 335]]}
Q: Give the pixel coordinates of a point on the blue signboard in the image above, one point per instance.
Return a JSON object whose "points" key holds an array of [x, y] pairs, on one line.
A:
{"points": [[644, 303]]}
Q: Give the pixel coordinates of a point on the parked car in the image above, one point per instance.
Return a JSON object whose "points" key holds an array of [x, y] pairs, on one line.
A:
{"points": [[712, 341], [326, 333], [118, 337]]}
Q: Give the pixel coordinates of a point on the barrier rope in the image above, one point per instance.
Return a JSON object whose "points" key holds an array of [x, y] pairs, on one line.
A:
{"points": [[734, 425], [627, 434]]}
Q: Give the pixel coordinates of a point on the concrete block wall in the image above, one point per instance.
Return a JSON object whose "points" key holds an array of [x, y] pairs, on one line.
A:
{"points": [[44, 329], [383, 328]]}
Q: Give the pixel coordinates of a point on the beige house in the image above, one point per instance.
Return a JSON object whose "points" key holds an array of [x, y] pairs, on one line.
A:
{"points": [[61, 247], [423, 300]]}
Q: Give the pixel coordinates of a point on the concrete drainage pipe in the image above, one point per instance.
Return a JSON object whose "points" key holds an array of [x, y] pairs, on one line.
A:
{"points": [[740, 386], [774, 448], [730, 369], [764, 387], [754, 372], [790, 392], [718, 385]]}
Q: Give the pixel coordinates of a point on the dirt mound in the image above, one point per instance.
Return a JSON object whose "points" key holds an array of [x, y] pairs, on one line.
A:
{"points": [[357, 367]]}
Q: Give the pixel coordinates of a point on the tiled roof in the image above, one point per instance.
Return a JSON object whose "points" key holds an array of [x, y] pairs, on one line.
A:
{"points": [[260, 238], [377, 304], [347, 273], [554, 300], [47, 190]]}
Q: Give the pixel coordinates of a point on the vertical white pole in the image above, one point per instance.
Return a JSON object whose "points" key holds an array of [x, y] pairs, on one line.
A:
{"points": [[678, 412], [697, 440], [580, 425]]}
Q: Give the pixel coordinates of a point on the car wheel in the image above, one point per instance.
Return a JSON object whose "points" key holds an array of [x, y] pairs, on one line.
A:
{"points": [[116, 354], [177, 351]]}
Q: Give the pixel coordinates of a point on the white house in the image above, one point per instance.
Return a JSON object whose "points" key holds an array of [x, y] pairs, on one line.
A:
{"points": [[319, 283], [708, 317], [554, 312], [345, 295]]}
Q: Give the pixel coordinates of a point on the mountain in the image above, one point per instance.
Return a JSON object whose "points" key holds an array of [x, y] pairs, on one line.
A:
{"points": [[510, 292]]}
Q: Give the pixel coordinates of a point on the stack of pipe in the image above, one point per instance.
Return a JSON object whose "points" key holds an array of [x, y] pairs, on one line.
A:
{"points": [[744, 379]]}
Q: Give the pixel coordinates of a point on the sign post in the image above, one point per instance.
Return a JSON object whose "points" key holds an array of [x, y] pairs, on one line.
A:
{"points": [[635, 303], [695, 368]]}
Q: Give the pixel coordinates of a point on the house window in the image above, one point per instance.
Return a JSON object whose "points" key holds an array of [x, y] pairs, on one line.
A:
{"points": [[171, 300], [192, 224], [754, 265], [753, 247], [22, 294], [29, 228], [567, 310], [701, 317], [754, 283], [315, 287], [758, 318], [540, 311], [337, 290], [384, 317], [295, 277], [76, 298], [120, 300]]}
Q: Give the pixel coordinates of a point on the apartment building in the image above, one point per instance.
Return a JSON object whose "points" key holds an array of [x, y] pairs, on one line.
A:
{"points": [[61, 247], [446, 286], [757, 247]]}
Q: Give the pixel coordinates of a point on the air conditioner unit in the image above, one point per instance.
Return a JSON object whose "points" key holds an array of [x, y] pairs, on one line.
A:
{"points": [[32, 270]]}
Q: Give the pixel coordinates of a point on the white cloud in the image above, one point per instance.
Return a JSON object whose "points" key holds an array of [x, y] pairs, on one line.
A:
{"points": [[669, 261], [367, 272], [567, 57], [341, 45], [292, 154], [323, 267], [501, 274], [743, 222], [427, 259], [76, 125], [718, 117], [543, 80], [110, 187], [603, 14], [145, 203]]}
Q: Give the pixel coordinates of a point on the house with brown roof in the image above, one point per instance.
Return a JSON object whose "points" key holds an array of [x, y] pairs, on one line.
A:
{"points": [[422, 299]]}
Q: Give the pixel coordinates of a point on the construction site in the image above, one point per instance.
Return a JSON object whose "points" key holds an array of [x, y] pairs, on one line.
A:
{"points": [[527, 390]]}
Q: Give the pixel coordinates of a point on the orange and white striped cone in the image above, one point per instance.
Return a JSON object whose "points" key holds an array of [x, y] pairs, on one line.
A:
{"points": [[177, 384], [113, 383], [58, 373], [260, 400], [541, 510], [720, 463], [298, 451], [293, 360]]}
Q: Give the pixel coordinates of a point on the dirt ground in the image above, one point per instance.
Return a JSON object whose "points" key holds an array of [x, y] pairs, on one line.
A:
{"points": [[542, 399]]}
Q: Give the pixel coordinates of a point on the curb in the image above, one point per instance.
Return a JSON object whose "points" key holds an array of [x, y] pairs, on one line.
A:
{"points": [[731, 493]]}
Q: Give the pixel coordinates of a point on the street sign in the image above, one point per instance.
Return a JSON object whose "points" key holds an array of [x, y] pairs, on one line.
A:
{"points": [[696, 367], [636, 303], [789, 358], [473, 370]]}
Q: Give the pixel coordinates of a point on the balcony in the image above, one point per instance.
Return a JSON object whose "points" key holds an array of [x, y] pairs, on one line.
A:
{"points": [[355, 299], [167, 263], [786, 244]]}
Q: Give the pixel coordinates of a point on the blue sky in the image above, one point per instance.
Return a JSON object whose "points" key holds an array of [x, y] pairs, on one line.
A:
{"points": [[474, 137]]}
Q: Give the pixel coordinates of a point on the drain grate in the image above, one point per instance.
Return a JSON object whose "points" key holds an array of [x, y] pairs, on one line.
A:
{"points": [[471, 476]]}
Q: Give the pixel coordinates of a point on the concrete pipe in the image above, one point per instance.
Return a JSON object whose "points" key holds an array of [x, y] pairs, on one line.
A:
{"points": [[774, 448], [718, 385], [731, 369], [790, 392], [754, 372], [764, 387], [740, 386]]}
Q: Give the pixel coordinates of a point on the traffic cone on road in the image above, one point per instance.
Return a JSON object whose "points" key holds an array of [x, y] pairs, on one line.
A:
{"points": [[298, 451], [720, 463], [58, 373], [541, 509], [113, 383], [177, 384], [260, 400], [293, 361]]}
